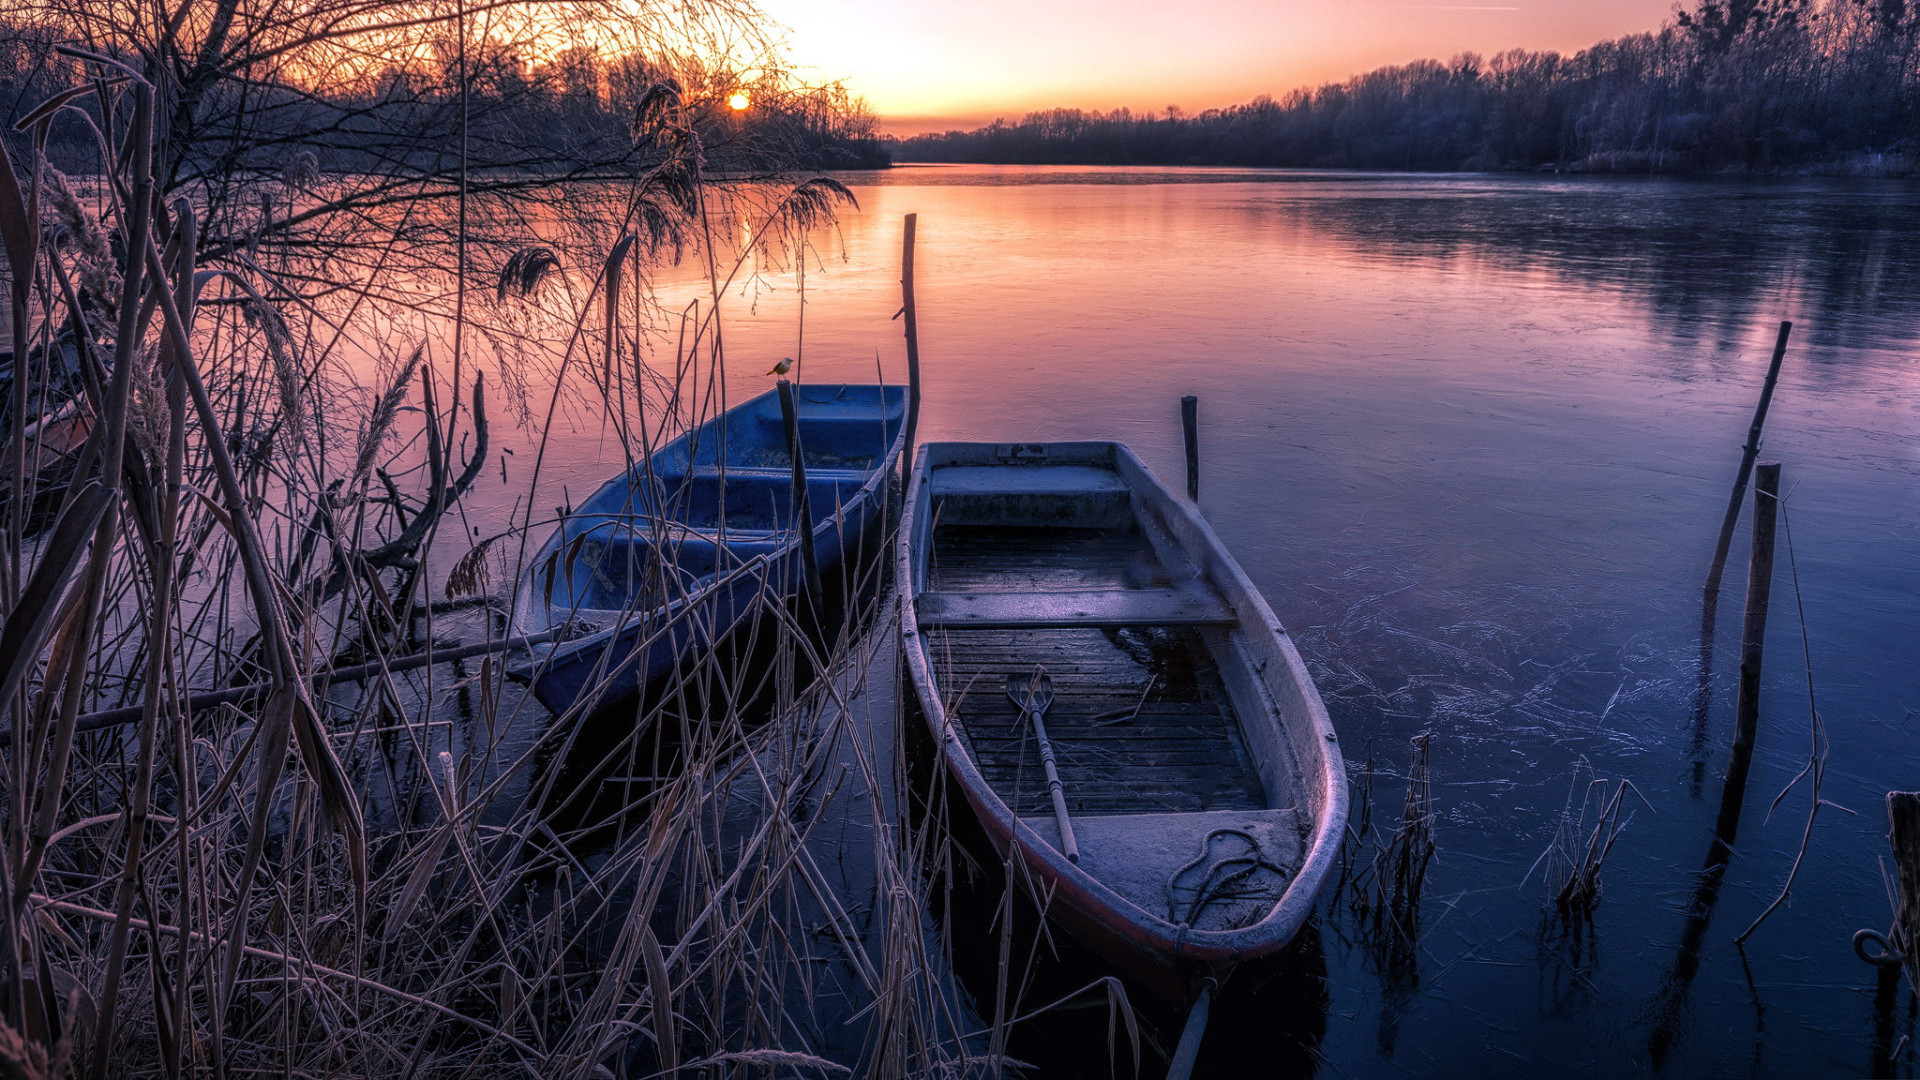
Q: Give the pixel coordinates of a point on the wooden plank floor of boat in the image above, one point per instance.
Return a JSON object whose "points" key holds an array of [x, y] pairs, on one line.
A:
{"points": [[1181, 751]]}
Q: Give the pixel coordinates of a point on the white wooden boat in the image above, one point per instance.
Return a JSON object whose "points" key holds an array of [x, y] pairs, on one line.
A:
{"points": [[1199, 777]]}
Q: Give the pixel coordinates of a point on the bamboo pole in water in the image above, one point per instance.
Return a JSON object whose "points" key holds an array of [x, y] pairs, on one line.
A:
{"points": [[802, 512], [1895, 950], [1706, 894], [1753, 632], [1190, 424], [913, 342], [1710, 599], [1748, 453], [1903, 833]]}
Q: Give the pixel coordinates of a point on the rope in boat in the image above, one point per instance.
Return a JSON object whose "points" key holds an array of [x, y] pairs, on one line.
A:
{"points": [[1220, 875]]}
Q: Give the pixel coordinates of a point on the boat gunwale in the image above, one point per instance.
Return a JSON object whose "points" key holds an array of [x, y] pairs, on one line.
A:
{"points": [[1152, 933]]}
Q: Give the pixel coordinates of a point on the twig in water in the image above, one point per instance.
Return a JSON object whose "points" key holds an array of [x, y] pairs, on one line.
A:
{"points": [[1816, 766], [1121, 716]]}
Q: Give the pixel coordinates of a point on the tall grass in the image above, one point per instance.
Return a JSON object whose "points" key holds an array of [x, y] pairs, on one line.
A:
{"points": [[1384, 891], [1589, 826], [418, 872]]}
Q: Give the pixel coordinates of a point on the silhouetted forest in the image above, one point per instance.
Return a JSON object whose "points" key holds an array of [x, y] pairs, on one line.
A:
{"points": [[526, 110], [1736, 85]]}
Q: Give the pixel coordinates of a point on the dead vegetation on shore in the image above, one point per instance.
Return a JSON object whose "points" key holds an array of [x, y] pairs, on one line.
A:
{"points": [[416, 872]]}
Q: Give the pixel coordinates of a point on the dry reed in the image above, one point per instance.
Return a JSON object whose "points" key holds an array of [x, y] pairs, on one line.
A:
{"points": [[1385, 892], [345, 879], [1587, 831]]}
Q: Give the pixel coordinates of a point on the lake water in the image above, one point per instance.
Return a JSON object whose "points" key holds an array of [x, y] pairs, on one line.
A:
{"points": [[1473, 438]]}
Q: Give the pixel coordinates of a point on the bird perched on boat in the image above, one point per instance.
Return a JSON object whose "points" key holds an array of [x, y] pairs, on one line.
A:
{"points": [[785, 365]]}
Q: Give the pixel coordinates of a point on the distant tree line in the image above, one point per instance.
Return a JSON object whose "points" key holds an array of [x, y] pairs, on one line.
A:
{"points": [[1742, 85]]}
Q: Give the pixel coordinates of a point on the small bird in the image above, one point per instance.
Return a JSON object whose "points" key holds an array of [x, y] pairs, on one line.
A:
{"points": [[785, 365]]}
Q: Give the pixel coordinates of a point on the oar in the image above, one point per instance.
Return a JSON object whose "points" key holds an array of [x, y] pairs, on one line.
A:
{"points": [[1188, 1051], [1034, 695]]}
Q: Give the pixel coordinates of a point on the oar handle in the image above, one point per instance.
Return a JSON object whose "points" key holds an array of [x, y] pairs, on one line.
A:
{"points": [[1069, 846], [1188, 1050]]}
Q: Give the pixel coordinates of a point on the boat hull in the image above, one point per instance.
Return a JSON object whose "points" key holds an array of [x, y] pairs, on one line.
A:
{"points": [[1169, 972], [661, 564], [654, 645]]}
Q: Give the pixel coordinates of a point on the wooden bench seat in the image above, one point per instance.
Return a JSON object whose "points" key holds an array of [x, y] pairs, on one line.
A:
{"points": [[1056, 480], [1189, 605]]}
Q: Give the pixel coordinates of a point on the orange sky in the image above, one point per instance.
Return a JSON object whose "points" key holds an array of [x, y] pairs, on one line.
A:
{"points": [[938, 64]]}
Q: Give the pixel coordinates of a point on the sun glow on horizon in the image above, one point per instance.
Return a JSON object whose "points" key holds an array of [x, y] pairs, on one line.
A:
{"points": [[739, 101], [925, 67]]}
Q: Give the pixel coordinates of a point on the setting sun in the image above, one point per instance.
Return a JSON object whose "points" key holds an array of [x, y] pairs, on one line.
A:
{"points": [[739, 101]]}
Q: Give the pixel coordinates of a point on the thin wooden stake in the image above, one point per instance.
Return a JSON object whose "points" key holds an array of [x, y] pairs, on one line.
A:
{"points": [[1753, 633], [1710, 599], [1190, 422], [1899, 947], [1747, 455], [913, 343], [802, 511], [1903, 832]]}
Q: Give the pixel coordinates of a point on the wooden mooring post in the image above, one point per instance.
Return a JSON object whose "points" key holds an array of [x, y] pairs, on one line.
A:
{"points": [[1710, 596], [1753, 631], [913, 343], [802, 511], [1766, 505], [1190, 423], [1899, 945], [1903, 832]]}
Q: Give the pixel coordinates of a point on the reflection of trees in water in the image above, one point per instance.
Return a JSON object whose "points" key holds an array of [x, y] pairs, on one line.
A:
{"points": [[1704, 260]]}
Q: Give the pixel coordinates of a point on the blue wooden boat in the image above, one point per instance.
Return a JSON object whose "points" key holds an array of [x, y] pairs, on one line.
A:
{"points": [[666, 558]]}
